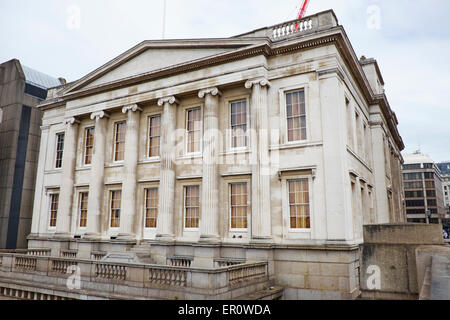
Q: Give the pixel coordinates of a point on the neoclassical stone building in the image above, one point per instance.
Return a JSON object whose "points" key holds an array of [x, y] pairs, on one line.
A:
{"points": [[276, 145]]}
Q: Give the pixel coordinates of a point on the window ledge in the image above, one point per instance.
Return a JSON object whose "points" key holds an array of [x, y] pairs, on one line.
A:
{"points": [[294, 145], [150, 160]]}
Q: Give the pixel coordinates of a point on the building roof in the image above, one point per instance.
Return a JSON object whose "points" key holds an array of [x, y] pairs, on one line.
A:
{"points": [[417, 158], [39, 79]]}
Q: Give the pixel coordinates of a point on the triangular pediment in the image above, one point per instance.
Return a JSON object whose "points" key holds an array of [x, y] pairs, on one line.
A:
{"points": [[151, 56]]}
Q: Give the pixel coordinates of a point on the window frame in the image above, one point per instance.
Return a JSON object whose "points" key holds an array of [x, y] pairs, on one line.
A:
{"points": [[247, 123], [146, 189], [199, 206], [50, 199], [229, 194], [80, 198], [111, 191], [149, 119], [284, 134], [86, 129], [186, 135], [288, 232], [57, 134], [116, 123]]}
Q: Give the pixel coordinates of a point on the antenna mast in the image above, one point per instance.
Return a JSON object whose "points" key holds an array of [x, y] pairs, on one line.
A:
{"points": [[164, 20], [303, 8]]}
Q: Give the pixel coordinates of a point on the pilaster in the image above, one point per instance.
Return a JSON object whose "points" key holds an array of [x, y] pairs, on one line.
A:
{"points": [[261, 208]]}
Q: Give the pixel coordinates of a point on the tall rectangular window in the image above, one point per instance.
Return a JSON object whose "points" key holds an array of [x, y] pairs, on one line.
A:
{"points": [[194, 130], [119, 141], [116, 204], [239, 205], [54, 199], [299, 204], [239, 124], [83, 209], [349, 123], [151, 207], [191, 207], [88, 145], [296, 115], [59, 149], [154, 132]]}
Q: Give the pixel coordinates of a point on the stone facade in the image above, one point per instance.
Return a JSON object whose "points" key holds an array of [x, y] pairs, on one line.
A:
{"points": [[277, 145]]}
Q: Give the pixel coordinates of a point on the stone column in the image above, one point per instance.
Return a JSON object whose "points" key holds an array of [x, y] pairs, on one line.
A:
{"points": [[129, 178], [209, 222], [167, 178], [96, 186], [261, 209], [67, 179]]}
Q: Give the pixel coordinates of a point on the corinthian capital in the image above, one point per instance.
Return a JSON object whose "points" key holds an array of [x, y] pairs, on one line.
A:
{"points": [[132, 108], [214, 91], [169, 100], [259, 81], [71, 121], [99, 115]]}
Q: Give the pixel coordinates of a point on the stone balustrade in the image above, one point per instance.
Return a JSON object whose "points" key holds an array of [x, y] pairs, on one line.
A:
{"points": [[244, 273], [111, 271], [97, 256], [167, 276], [39, 252], [224, 262], [143, 280], [180, 261], [25, 263], [69, 254], [61, 266], [291, 28]]}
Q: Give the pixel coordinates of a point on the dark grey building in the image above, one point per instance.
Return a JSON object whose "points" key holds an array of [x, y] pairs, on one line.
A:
{"points": [[21, 89]]}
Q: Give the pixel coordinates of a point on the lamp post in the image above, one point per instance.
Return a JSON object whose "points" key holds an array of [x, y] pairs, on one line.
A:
{"points": [[428, 213]]}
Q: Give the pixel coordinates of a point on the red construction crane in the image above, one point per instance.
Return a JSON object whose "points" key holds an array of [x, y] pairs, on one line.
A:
{"points": [[303, 8]]}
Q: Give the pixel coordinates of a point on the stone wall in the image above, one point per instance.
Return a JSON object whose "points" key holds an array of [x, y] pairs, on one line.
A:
{"points": [[388, 259]]}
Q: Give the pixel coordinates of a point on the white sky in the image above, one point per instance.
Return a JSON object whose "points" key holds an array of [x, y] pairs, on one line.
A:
{"points": [[412, 44]]}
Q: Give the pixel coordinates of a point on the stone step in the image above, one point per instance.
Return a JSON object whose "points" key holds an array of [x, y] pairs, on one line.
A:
{"points": [[271, 293]]}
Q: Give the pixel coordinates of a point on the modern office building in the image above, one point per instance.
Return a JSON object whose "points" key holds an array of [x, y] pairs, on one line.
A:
{"points": [[21, 89], [277, 145], [423, 185], [444, 167]]}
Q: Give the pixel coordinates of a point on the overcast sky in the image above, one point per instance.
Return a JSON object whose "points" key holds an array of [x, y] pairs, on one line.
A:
{"points": [[409, 38]]}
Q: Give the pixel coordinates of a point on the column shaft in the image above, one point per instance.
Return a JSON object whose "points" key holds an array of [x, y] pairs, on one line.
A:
{"points": [[130, 176], [167, 179], [261, 173], [209, 222], [96, 186]]}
